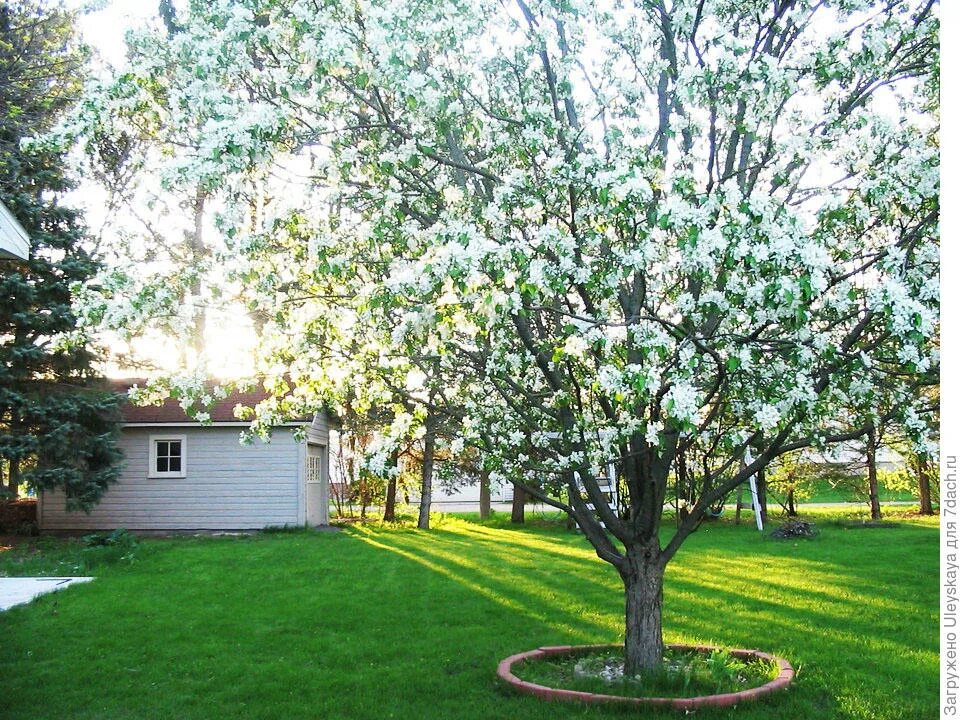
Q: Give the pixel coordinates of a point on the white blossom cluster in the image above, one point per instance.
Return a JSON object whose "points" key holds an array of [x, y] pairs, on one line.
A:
{"points": [[574, 233]]}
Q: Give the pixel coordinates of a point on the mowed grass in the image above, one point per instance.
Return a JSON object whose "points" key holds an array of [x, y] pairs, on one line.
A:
{"points": [[379, 622], [824, 491]]}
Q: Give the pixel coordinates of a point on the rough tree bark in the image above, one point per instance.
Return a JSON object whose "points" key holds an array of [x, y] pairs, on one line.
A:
{"points": [[642, 574]]}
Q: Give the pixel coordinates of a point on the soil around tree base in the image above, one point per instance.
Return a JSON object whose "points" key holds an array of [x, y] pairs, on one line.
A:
{"points": [[505, 673]]}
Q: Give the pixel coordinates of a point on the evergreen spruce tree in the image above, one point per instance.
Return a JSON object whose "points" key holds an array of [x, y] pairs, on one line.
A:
{"points": [[57, 419]]}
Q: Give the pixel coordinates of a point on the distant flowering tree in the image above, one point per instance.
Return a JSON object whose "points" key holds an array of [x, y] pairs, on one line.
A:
{"points": [[586, 232]]}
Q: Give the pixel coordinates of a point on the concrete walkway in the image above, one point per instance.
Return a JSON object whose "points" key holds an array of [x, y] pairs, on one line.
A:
{"points": [[17, 591]]}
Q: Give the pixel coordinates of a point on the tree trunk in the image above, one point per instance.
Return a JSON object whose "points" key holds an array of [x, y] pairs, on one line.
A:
{"points": [[872, 473], [484, 494], [364, 493], [923, 485], [739, 504], [351, 480], [791, 504], [194, 349], [426, 474], [683, 490], [519, 500], [13, 485], [13, 478], [390, 503], [643, 588], [762, 494]]}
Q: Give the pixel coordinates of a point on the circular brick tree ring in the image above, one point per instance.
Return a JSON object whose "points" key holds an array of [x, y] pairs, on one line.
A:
{"points": [[505, 672]]}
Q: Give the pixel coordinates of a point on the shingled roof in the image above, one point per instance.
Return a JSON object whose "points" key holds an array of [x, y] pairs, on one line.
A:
{"points": [[170, 412]]}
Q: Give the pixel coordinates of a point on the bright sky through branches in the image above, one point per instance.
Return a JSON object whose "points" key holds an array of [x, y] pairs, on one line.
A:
{"points": [[229, 332]]}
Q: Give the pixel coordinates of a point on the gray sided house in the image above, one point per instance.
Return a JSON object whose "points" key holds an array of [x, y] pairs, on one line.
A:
{"points": [[180, 475]]}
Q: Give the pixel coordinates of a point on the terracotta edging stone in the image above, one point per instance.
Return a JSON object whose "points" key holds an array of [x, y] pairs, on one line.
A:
{"points": [[504, 672]]}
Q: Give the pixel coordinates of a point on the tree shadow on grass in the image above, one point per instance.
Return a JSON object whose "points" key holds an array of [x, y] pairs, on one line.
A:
{"points": [[428, 615], [825, 614], [543, 593]]}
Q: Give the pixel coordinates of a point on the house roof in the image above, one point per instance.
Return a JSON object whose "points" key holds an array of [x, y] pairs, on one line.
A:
{"points": [[14, 241], [170, 412]]}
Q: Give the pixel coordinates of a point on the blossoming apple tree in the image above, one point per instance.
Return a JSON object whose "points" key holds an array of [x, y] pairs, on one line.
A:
{"points": [[585, 232]]}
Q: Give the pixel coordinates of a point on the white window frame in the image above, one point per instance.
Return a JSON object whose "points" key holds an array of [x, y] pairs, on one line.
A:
{"points": [[152, 470]]}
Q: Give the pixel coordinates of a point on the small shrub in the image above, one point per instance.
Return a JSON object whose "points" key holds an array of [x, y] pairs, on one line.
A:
{"points": [[120, 536], [118, 545], [795, 529]]}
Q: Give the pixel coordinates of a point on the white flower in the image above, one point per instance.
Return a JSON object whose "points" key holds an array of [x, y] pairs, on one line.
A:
{"points": [[575, 346], [452, 195], [681, 402], [767, 417], [652, 434]]}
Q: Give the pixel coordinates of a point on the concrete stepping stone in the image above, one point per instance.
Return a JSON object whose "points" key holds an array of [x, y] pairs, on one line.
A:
{"points": [[17, 591]]}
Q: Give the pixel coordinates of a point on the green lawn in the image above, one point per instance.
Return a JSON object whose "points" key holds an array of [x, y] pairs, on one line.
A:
{"points": [[824, 491], [379, 623]]}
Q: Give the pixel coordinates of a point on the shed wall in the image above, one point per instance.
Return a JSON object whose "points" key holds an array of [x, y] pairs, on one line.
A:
{"points": [[227, 486]]}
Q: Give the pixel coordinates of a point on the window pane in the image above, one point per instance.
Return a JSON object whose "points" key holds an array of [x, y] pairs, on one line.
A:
{"points": [[174, 464], [175, 448], [163, 464], [163, 448]]}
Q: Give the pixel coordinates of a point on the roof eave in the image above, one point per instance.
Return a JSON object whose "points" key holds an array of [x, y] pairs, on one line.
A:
{"points": [[14, 240]]}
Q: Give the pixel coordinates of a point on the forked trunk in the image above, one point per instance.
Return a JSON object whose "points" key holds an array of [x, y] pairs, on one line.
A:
{"points": [[643, 587]]}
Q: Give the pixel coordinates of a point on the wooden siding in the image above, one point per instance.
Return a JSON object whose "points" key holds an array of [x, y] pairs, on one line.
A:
{"points": [[318, 432], [227, 487]]}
